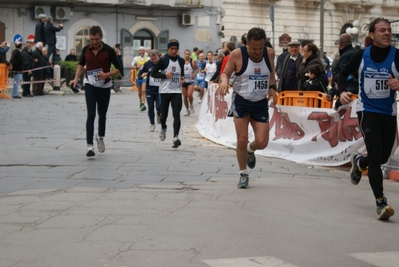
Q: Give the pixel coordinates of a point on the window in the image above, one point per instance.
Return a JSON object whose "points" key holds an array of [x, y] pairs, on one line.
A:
{"points": [[82, 39]]}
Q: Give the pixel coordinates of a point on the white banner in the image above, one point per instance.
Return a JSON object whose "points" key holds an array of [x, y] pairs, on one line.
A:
{"points": [[315, 136]]}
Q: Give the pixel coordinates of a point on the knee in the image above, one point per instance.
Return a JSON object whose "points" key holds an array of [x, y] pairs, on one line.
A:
{"points": [[242, 141], [91, 115]]}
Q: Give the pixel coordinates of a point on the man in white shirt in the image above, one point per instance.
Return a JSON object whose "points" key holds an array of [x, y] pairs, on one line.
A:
{"points": [[137, 64]]}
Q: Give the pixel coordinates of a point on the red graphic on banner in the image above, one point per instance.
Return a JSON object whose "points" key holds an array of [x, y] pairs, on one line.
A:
{"points": [[219, 107], [345, 129], [284, 128]]}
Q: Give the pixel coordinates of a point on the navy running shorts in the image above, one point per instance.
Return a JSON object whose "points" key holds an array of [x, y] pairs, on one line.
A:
{"points": [[240, 107]]}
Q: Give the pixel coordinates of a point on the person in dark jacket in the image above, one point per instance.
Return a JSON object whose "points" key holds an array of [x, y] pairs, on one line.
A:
{"points": [[317, 81], [152, 88], [38, 75], [17, 66], [4, 47], [51, 39], [289, 68], [28, 65], [71, 56], [40, 33], [310, 57]]}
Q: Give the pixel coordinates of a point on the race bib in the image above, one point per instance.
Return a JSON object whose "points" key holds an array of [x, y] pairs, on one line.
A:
{"points": [[258, 85], [376, 85], [92, 77], [200, 75], [175, 81], [155, 81], [187, 78]]}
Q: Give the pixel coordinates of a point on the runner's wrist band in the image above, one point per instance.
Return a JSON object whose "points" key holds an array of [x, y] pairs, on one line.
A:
{"points": [[109, 74], [273, 86]]}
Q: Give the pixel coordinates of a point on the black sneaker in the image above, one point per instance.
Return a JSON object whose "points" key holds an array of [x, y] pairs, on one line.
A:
{"points": [[90, 151], [355, 172], [251, 160], [384, 211], [176, 142]]}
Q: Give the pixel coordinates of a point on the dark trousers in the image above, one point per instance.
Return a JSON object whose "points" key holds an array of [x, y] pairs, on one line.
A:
{"points": [[153, 102], [51, 52], [26, 84], [96, 98], [379, 132], [176, 102]]}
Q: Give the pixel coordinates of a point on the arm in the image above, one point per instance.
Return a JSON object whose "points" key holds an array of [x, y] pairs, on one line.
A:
{"points": [[354, 62], [272, 78], [230, 66], [144, 71], [156, 71]]}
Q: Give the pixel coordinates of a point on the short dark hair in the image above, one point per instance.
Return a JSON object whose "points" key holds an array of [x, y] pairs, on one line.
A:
{"points": [[230, 45], [315, 69], [195, 49], [96, 30], [256, 34], [371, 27], [244, 38], [312, 47]]}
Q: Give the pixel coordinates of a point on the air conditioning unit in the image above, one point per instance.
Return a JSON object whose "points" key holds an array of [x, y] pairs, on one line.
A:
{"points": [[186, 19], [62, 13], [37, 10]]}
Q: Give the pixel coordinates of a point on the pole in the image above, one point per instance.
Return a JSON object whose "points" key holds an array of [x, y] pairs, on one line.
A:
{"points": [[322, 29], [271, 14]]}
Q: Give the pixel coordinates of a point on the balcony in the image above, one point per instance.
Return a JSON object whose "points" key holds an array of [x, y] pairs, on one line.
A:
{"points": [[170, 3], [357, 3], [390, 3]]}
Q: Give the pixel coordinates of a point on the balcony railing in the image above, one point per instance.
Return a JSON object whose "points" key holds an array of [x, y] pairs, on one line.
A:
{"points": [[390, 3], [358, 2]]}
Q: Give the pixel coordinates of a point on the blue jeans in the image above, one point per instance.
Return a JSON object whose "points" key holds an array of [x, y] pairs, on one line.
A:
{"points": [[96, 98], [15, 86]]}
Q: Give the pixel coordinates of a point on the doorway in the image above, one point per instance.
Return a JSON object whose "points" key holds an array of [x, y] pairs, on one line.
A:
{"points": [[143, 38]]}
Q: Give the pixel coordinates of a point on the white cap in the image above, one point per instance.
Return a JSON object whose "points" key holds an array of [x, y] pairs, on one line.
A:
{"points": [[42, 16]]}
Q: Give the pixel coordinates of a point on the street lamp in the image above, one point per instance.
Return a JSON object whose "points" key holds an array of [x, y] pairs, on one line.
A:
{"points": [[354, 31]]}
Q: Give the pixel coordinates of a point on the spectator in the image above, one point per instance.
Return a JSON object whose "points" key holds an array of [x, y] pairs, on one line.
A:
{"points": [[38, 75], [28, 65], [310, 57], [51, 39], [40, 33], [280, 60], [4, 47], [317, 81], [290, 67], [71, 56], [17, 66], [57, 56], [228, 48]]}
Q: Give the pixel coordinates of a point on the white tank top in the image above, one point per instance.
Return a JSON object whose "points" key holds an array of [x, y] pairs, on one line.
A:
{"points": [[188, 71], [210, 70], [171, 85], [252, 83]]}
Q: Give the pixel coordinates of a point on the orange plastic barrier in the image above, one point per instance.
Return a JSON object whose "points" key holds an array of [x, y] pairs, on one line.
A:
{"points": [[3, 80], [304, 99], [133, 80]]}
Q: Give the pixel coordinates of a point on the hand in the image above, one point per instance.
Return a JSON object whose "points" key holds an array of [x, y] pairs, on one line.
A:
{"points": [[223, 88], [345, 98], [35, 60], [73, 83], [169, 75], [144, 74], [273, 95], [393, 83]]}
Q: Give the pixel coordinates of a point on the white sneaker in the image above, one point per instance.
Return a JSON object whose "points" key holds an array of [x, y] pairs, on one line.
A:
{"points": [[192, 111], [100, 144], [152, 127], [162, 135], [187, 113], [90, 151]]}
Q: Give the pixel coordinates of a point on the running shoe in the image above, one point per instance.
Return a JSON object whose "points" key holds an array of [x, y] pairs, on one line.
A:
{"points": [[100, 144], [187, 113], [90, 151], [162, 134], [142, 107], [176, 142], [251, 160], [192, 111], [152, 127], [355, 172], [384, 211], [243, 181]]}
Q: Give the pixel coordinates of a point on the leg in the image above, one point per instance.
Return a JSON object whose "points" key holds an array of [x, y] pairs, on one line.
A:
{"points": [[91, 103], [143, 94], [185, 100], [151, 99], [261, 133], [15, 86], [103, 98], [165, 100], [176, 103], [241, 126], [190, 91]]}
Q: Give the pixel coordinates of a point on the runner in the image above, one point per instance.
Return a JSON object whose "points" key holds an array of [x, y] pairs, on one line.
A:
{"points": [[137, 64], [210, 68], [190, 70], [255, 81], [152, 88], [199, 82], [172, 75]]}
